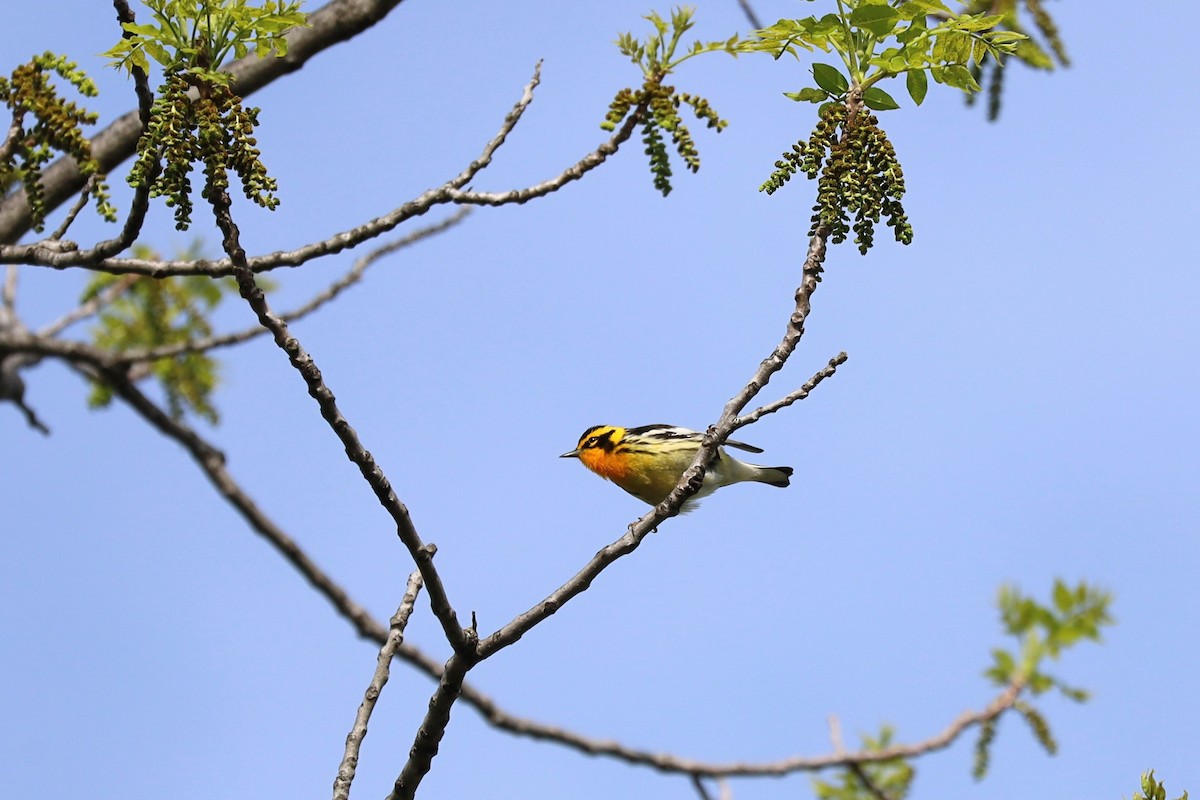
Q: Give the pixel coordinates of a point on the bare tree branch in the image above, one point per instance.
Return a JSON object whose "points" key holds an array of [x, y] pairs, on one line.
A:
{"points": [[663, 762], [449, 192], [399, 621]]}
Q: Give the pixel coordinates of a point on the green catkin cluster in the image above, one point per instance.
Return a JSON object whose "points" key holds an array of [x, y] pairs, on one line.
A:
{"points": [[28, 91], [662, 105], [983, 748], [1039, 726], [215, 130], [859, 179]]}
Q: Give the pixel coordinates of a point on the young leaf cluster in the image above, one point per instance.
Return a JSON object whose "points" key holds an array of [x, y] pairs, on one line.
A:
{"points": [[200, 34], [55, 128], [1153, 790], [877, 40], [1042, 632], [213, 129], [860, 180], [658, 105], [891, 778], [659, 55], [156, 312]]}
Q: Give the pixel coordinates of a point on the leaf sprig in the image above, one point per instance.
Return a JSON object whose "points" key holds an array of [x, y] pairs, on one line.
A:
{"points": [[1043, 632], [860, 180], [1153, 790], [659, 104], [156, 312]]}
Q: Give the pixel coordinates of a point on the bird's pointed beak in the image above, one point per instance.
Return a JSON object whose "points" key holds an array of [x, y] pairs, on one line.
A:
{"points": [[572, 454]]}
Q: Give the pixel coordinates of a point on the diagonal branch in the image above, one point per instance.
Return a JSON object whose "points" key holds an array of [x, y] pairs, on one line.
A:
{"points": [[433, 726], [421, 553], [692, 478]]}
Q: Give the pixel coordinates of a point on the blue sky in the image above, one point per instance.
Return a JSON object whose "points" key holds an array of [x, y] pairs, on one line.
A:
{"points": [[1018, 406]]}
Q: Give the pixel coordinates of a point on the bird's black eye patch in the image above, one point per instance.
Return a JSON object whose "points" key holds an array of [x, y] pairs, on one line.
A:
{"points": [[602, 441]]}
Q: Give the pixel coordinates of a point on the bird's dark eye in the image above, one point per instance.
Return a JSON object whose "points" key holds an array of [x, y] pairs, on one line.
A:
{"points": [[592, 441]]}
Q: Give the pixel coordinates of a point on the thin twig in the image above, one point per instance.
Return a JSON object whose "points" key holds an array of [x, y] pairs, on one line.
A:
{"points": [[698, 785], [835, 734], [10, 287], [799, 394], [61, 230], [352, 276], [358, 732], [88, 308], [861, 774], [15, 126], [750, 15]]}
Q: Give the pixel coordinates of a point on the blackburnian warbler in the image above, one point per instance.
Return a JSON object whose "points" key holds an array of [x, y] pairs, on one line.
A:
{"points": [[648, 461]]}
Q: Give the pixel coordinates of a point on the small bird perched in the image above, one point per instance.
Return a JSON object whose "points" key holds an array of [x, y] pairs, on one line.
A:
{"points": [[648, 461]]}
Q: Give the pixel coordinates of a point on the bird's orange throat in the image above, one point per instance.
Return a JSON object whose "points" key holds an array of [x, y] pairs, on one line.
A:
{"points": [[605, 464]]}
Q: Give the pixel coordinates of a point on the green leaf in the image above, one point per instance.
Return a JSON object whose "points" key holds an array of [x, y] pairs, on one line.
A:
{"points": [[879, 100], [808, 95], [918, 85], [830, 79], [955, 75], [158, 52], [933, 7], [878, 20], [980, 23]]}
